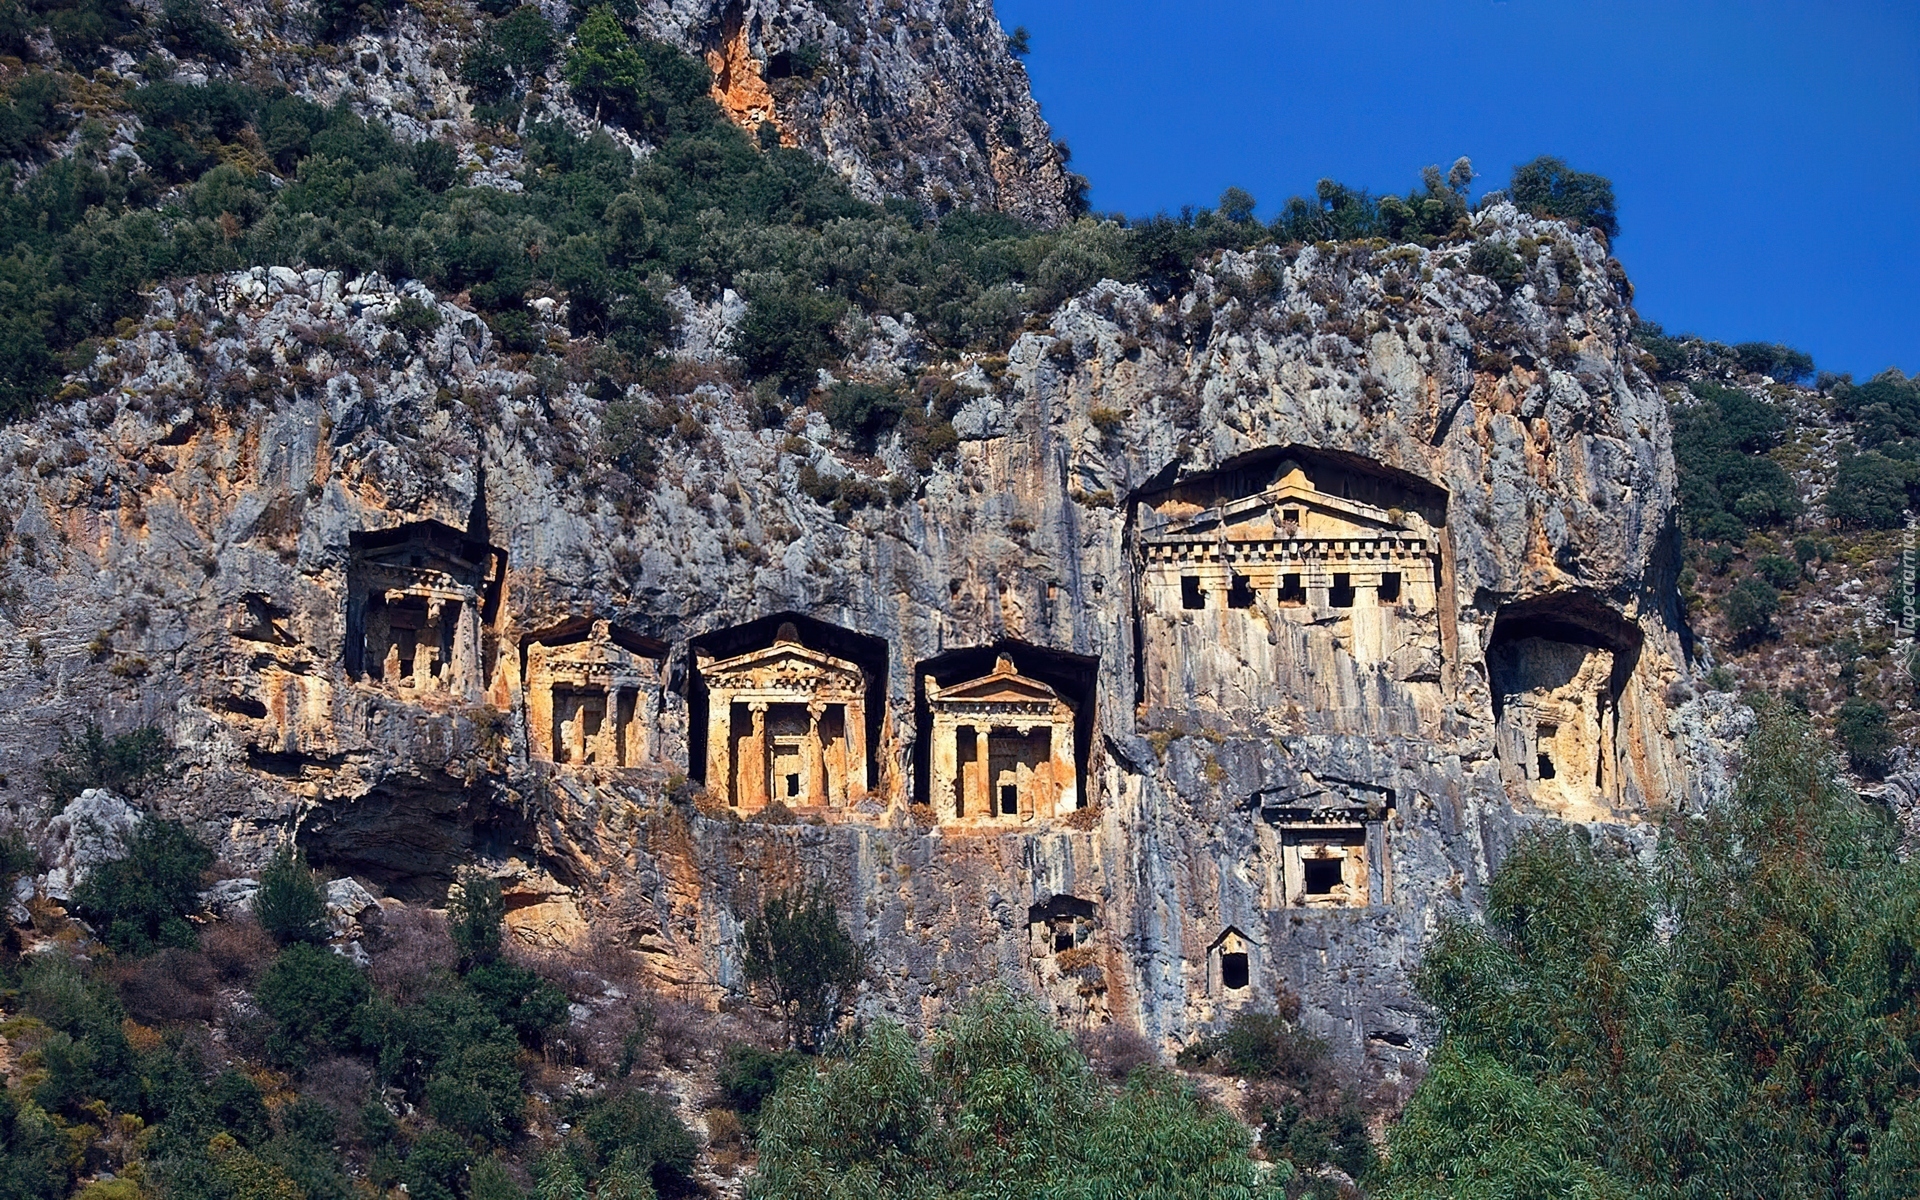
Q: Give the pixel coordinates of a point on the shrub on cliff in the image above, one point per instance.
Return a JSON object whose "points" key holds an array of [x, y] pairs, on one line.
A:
{"points": [[1865, 735], [1749, 610], [140, 902], [1730, 1020], [1548, 187], [125, 763], [800, 956], [289, 904], [1869, 492], [314, 997]]}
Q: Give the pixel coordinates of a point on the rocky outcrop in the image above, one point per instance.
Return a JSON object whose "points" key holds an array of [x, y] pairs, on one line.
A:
{"points": [[1432, 529]]}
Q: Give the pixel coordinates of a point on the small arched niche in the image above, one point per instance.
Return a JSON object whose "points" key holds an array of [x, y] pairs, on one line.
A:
{"points": [[786, 708], [1003, 733]]}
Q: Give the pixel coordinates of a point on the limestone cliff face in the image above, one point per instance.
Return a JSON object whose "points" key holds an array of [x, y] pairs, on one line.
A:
{"points": [[1340, 568], [918, 99]]}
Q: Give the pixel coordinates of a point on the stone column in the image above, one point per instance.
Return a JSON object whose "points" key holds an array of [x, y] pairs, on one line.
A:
{"points": [[983, 758], [943, 762], [720, 746], [753, 765], [857, 781], [1066, 776], [813, 758]]}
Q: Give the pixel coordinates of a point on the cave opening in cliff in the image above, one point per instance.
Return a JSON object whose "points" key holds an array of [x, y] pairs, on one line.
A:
{"points": [[1003, 731], [787, 708]]}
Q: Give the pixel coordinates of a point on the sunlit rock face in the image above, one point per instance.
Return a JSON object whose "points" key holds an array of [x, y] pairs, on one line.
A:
{"points": [[1240, 637]]}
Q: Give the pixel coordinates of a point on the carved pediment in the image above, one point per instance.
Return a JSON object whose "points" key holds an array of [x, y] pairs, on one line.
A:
{"points": [[1004, 687], [1292, 508], [1330, 801], [784, 666]]}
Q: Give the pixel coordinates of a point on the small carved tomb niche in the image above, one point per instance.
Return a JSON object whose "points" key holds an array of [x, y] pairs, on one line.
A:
{"points": [[1332, 842], [1230, 963], [786, 723], [1061, 925], [592, 696], [1002, 749], [418, 600]]}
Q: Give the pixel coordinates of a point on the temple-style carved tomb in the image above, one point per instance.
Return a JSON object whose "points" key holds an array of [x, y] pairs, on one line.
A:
{"points": [[1003, 749], [786, 723], [418, 600], [591, 696], [1331, 843], [1296, 578]]}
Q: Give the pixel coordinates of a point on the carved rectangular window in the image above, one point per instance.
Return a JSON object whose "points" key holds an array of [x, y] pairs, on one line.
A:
{"points": [[1009, 799], [1341, 595], [1292, 591], [1321, 875], [1190, 594], [1390, 587], [1240, 593], [1290, 516]]}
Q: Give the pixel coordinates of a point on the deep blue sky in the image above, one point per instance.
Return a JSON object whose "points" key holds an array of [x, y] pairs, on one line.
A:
{"points": [[1765, 155]]}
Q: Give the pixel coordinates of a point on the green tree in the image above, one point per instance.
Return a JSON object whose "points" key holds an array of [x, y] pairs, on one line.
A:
{"points": [[125, 763], [1548, 187], [797, 951], [140, 902], [1865, 735], [604, 68], [1869, 492], [1749, 610], [1002, 1105], [289, 904], [1727, 1022], [314, 997]]}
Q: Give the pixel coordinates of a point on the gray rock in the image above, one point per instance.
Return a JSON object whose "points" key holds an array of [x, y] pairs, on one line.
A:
{"points": [[92, 829]]}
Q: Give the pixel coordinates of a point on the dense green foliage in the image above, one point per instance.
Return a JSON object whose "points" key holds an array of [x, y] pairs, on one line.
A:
{"points": [[289, 904], [1003, 1105], [1548, 187], [1740, 1020], [141, 902], [1727, 484], [125, 763], [799, 953]]}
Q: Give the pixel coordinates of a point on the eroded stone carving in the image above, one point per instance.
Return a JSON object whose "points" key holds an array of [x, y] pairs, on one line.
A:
{"points": [[592, 696], [1298, 579], [1572, 729], [1331, 842], [786, 723], [418, 598], [1003, 749]]}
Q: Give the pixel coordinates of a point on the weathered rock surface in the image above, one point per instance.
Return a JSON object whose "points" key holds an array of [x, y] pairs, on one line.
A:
{"points": [[184, 541], [92, 829]]}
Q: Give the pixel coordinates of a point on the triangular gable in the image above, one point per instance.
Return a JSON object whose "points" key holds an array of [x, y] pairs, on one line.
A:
{"points": [[789, 654], [1011, 688], [1266, 507], [1231, 931]]}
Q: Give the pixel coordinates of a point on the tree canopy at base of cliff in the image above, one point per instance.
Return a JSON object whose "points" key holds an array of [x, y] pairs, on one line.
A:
{"points": [[1738, 1018]]}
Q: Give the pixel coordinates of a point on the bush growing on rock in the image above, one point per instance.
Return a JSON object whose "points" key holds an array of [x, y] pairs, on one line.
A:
{"points": [[1548, 187], [140, 902], [289, 904], [800, 955], [125, 763], [1749, 610], [1869, 492]]}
